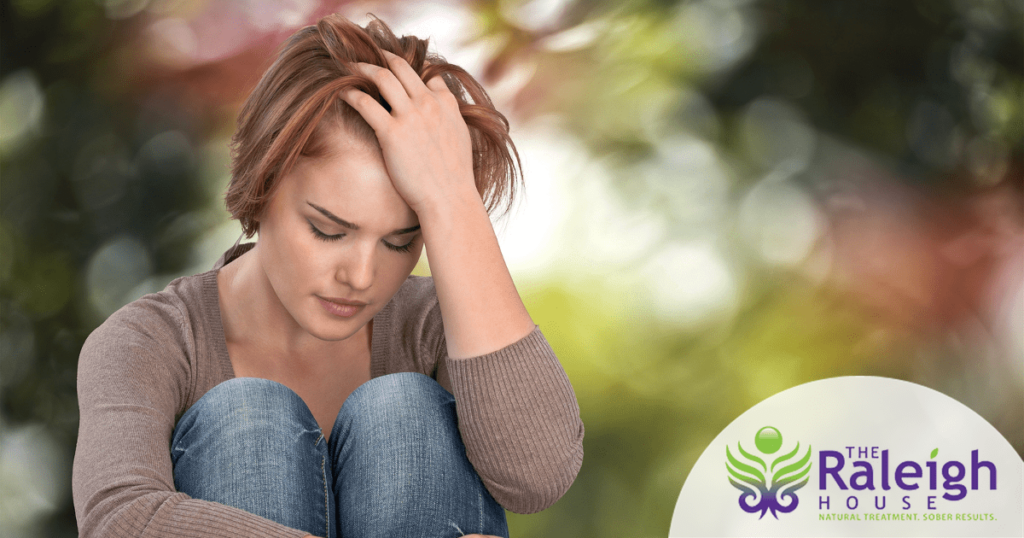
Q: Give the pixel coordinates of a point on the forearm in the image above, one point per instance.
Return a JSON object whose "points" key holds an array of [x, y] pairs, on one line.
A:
{"points": [[520, 422], [480, 306]]}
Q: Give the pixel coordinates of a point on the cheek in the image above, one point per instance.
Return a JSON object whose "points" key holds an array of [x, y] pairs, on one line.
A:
{"points": [[296, 257], [399, 270]]}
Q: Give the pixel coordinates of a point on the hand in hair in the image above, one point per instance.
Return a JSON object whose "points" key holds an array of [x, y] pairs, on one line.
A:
{"points": [[424, 139], [428, 151]]}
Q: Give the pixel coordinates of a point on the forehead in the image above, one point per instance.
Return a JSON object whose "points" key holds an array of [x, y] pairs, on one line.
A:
{"points": [[351, 181]]}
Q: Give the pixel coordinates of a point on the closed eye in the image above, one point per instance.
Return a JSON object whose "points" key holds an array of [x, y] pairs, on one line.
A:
{"points": [[403, 248], [329, 238], [322, 236]]}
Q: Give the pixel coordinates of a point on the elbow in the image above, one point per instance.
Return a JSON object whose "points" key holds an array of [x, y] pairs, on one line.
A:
{"points": [[89, 530], [539, 483], [102, 522], [122, 516], [93, 524]]}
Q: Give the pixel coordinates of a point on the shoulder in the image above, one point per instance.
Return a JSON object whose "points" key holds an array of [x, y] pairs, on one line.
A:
{"points": [[150, 336], [416, 302], [416, 292], [413, 323], [155, 315]]}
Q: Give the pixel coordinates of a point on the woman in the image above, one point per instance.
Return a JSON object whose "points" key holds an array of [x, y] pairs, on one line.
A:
{"points": [[215, 407]]}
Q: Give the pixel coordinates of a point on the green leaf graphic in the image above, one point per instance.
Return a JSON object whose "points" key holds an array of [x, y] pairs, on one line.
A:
{"points": [[935, 453], [786, 457], [752, 457], [780, 476], [742, 467]]}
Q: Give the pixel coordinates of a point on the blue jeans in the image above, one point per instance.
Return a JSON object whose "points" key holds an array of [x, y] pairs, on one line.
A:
{"points": [[395, 465]]}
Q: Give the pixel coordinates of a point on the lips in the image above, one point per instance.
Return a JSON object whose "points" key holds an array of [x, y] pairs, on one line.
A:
{"points": [[341, 309], [339, 300]]}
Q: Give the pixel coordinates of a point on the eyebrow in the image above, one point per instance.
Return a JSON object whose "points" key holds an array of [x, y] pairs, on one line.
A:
{"points": [[342, 222]]}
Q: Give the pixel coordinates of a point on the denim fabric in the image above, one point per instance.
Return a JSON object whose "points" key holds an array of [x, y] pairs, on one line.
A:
{"points": [[395, 464]]}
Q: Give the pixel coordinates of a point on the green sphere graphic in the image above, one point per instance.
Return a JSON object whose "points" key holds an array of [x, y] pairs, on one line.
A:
{"points": [[768, 440]]}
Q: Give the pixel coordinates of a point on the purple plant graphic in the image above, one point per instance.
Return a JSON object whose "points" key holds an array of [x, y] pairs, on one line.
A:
{"points": [[757, 495]]}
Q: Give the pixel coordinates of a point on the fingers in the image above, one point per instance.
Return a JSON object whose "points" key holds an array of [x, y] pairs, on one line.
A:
{"points": [[411, 80], [401, 87], [437, 84], [391, 89], [398, 82], [371, 111], [406, 75], [389, 86]]}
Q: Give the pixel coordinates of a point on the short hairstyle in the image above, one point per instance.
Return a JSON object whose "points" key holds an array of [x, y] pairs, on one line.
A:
{"points": [[297, 99]]}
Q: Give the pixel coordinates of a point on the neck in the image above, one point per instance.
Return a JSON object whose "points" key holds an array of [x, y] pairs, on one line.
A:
{"points": [[255, 318]]}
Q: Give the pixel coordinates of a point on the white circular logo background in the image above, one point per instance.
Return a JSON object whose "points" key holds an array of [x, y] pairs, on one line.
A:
{"points": [[908, 457]]}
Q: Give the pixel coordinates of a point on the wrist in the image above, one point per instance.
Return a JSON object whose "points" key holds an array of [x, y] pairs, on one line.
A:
{"points": [[448, 205]]}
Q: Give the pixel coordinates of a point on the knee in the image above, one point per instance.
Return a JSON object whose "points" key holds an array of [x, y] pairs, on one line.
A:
{"points": [[404, 390], [247, 406], [398, 399]]}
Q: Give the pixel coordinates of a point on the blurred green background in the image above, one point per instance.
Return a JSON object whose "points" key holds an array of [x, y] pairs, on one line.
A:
{"points": [[725, 199]]}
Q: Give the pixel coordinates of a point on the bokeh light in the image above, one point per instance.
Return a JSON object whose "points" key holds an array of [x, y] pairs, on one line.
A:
{"points": [[724, 199]]}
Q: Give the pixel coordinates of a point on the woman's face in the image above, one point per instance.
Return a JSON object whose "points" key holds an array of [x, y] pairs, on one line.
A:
{"points": [[336, 229]]}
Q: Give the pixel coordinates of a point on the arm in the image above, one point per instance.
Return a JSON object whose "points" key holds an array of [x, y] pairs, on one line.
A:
{"points": [[427, 149], [520, 422], [132, 377], [481, 308], [518, 414]]}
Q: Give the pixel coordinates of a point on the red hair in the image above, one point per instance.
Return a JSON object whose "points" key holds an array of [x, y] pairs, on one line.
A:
{"points": [[297, 100]]}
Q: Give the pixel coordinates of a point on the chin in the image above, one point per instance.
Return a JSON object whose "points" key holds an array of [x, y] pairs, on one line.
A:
{"points": [[335, 330]]}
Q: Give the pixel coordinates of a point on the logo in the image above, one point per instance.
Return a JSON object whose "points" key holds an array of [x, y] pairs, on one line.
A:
{"points": [[768, 487], [855, 456]]}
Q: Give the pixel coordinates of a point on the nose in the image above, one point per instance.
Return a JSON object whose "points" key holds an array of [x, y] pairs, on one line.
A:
{"points": [[356, 267]]}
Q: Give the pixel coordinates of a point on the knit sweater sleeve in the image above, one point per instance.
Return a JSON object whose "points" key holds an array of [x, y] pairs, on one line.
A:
{"points": [[133, 380], [518, 417]]}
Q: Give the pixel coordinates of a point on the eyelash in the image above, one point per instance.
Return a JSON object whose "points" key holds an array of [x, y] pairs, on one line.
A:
{"points": [[329, 238]]}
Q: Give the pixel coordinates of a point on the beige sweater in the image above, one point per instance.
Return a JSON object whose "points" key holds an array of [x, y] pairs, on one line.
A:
{"points": [[154, 358]]}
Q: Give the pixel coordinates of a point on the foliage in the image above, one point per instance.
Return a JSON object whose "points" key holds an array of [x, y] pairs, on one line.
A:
{"points": [[743, 124]]}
